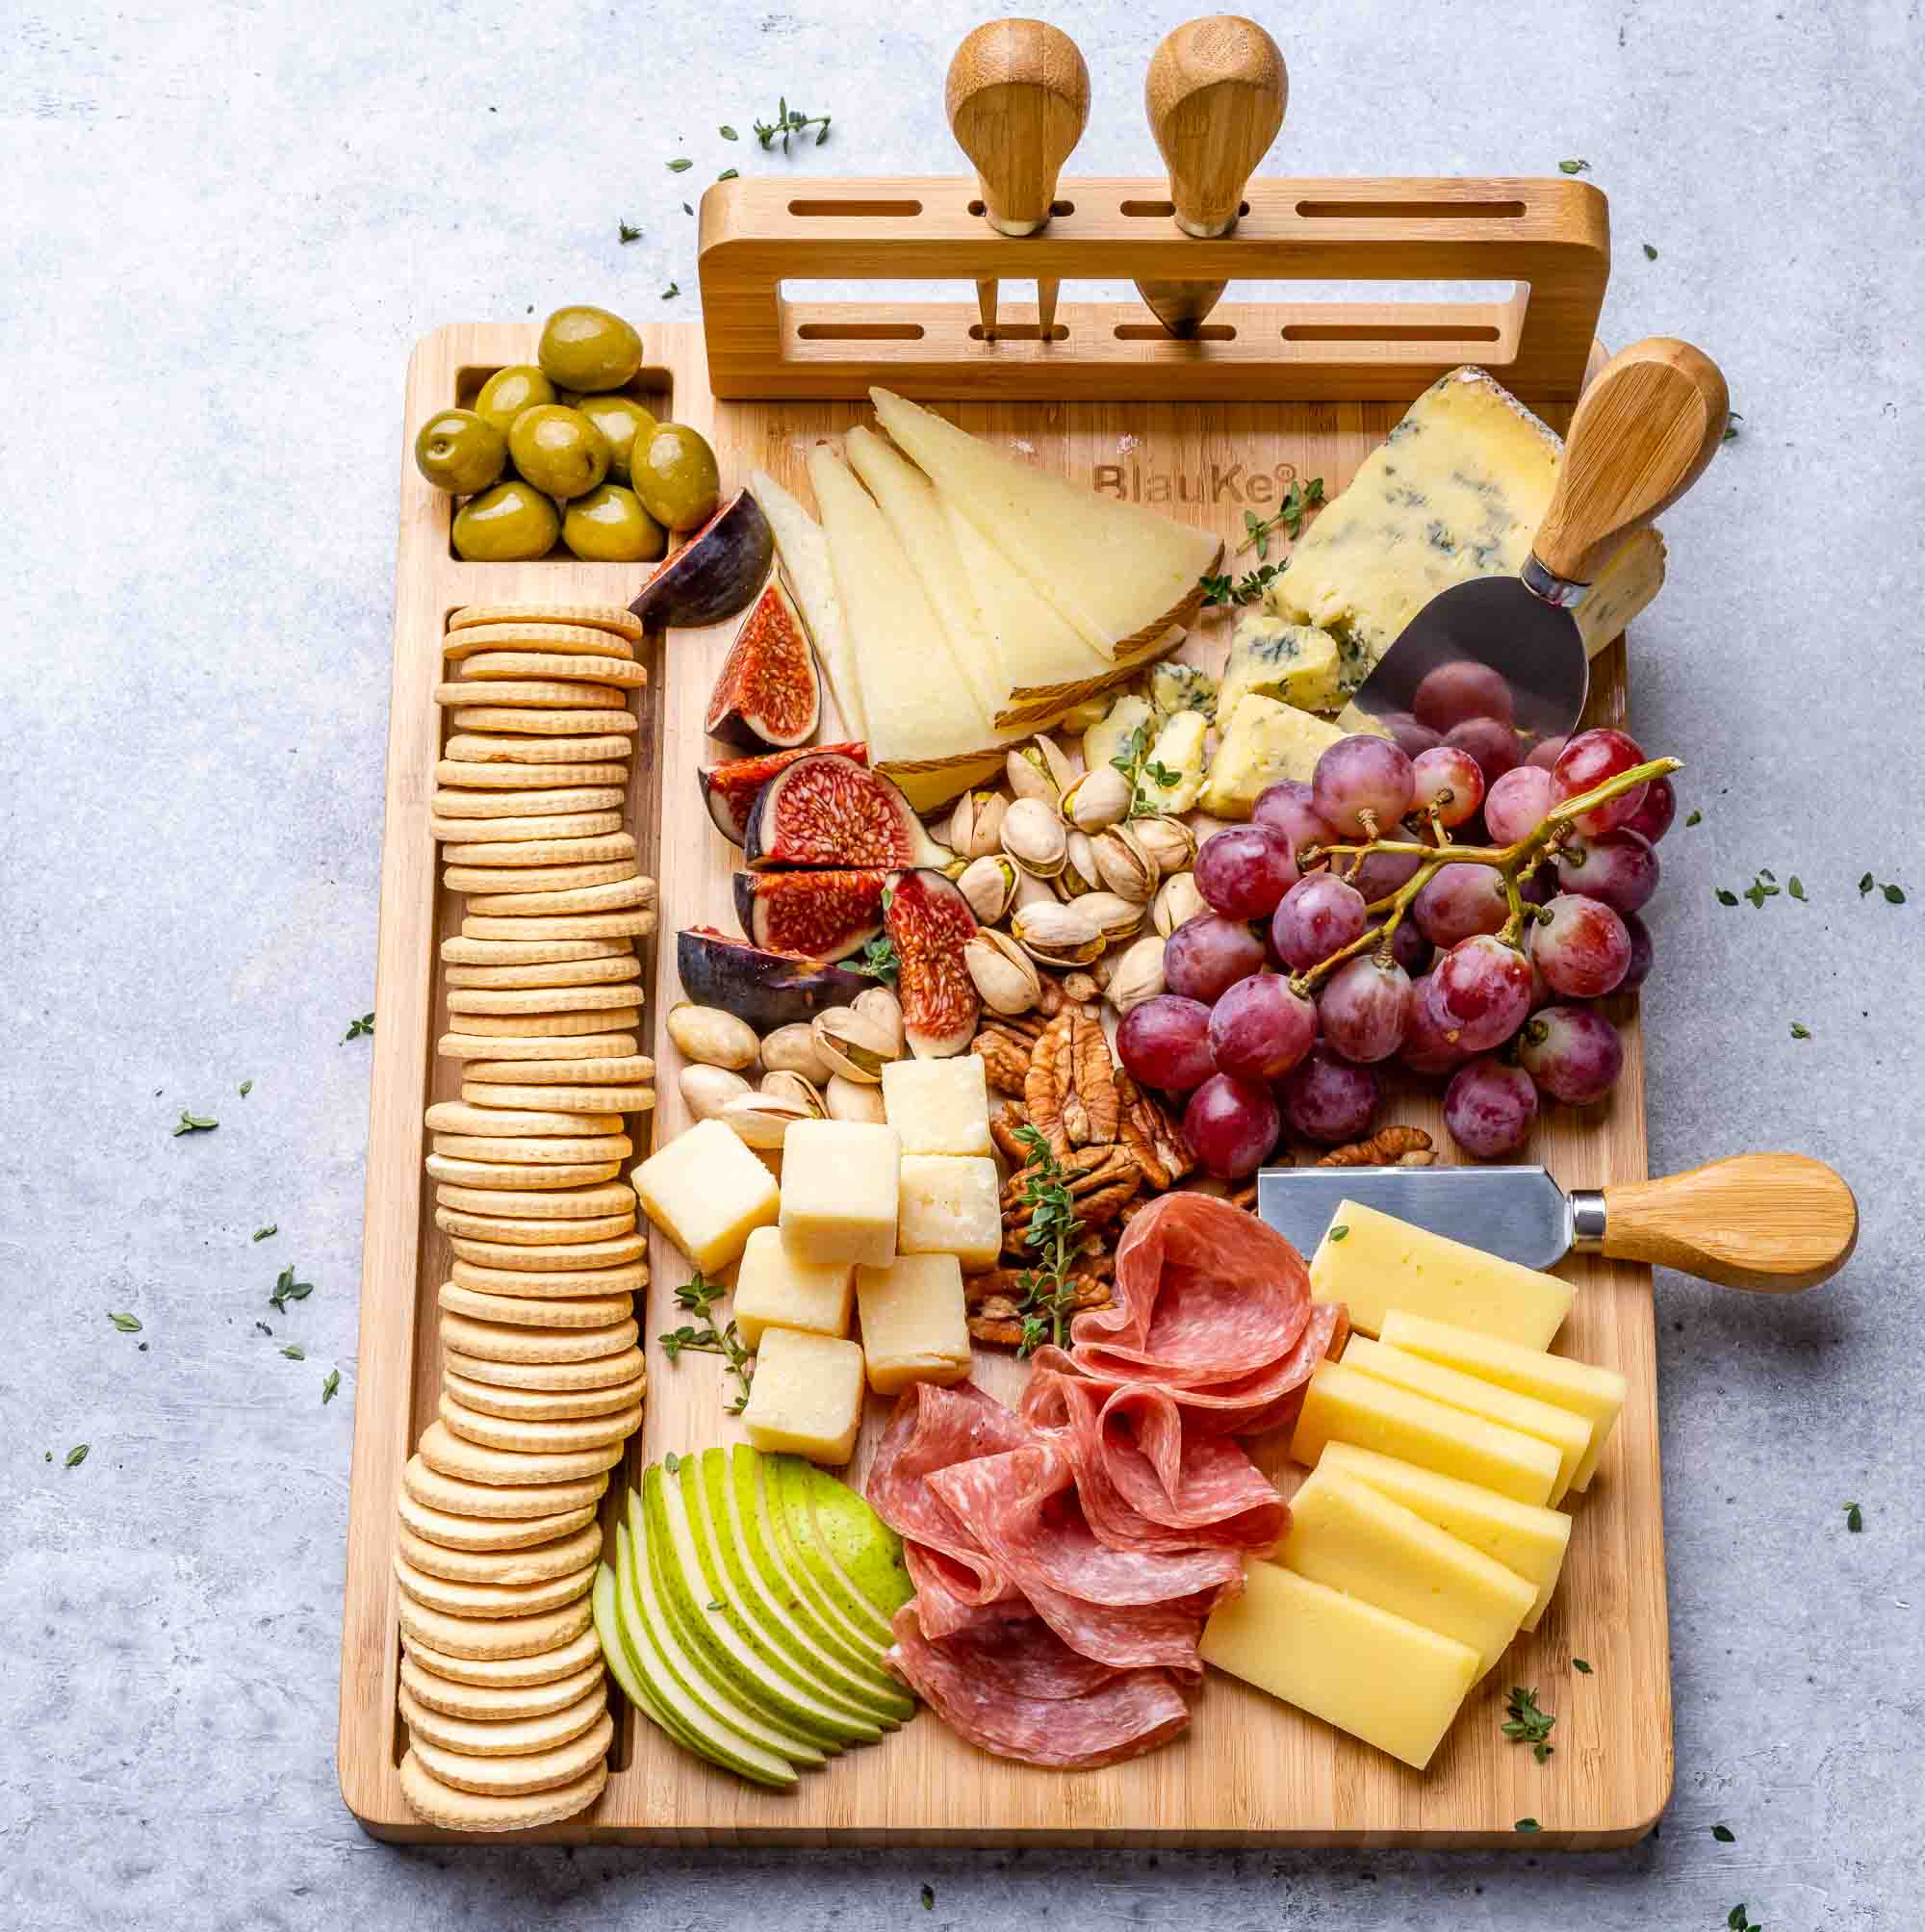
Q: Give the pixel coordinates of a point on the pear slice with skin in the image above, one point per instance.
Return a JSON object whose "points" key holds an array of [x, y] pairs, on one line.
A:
{"points": [[640, 1582], [865, 1540], [765, 1601], [782, 1478]]}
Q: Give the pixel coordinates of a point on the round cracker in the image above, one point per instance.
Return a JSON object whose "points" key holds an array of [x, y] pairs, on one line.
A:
{"points": [[485, 1636], [465, 1046], [453, 1454], [611, 895], [459, 878], [532, 804], [637, 922], [505, 1174], [520, 1348], [448, 1809], [513, 1231], [524, 830], [536, 1563], [543, 1441], [554, 976], [496, 666], [543, 723], [625, 1277], [496, 1703], [615, 618], [610, 1069], [548, 694], [566, 1100], [504, 1673], [502, 1737], [535, 1150], [579, 1204], [502, 748], [520, 1503], [550, 1025], [449, 1531], [481, 1398], [457, 1117], [500, 1000], [537, 1257], [462, 774], [526, 1311], [533, 952], [513, 1777], [551, 851], [599, 1372]]}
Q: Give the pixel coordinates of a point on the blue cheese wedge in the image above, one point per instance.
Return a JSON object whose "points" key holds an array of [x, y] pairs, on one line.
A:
{"points": [[1263, 740], [1182, 687], [1106, 739], [1296, 663], [1172, 774]]}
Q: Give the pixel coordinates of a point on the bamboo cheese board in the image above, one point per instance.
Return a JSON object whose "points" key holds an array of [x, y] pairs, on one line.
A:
{"points": [[1165, 422]]}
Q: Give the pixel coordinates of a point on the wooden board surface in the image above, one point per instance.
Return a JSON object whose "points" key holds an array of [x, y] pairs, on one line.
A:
{"points": [[1249, 1771]]}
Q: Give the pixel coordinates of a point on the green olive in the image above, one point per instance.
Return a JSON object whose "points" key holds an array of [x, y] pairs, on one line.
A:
{"points": [[610, 525], [460, 451], [510, 524], [511, 390], [624, 421], [558, 450], [589, 350], [675, 476]]}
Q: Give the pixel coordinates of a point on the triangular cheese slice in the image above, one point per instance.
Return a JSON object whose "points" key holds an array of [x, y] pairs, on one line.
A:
{"points": [[804, 561], [1120, 574], [920, 711]]}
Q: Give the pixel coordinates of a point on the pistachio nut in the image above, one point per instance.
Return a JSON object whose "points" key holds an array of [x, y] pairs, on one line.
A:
{"points": [[707, 1090], [849, 1100], [1035, 838], [975, 826], [1062, 768], [1002, 973], [1137, 974], [1123, 864], [1057, 935], [1168, 841], [880, 1005], [854, 1046], [788, 1086], [1079, 872], [1030, 776], [1114, 917], [1033, 891], [762, 1119], [990, 884], [1097, 799], [1177, 903], [714, 1038], [792, 1050]]}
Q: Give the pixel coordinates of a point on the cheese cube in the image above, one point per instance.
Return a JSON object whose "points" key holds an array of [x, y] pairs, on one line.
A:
{"points": [[1171, 779], [838, 1194], [939, 1106], [1379, 1263], [1358, 1540], [1294, 662], [708, 1193], [1263, 741], [1531, 1541], [1344, 1404], [806, 1396], [1377, 1675], [1105, 741], [1570, 1435], [775, 1289], [914, 1329], [950, 1205], [1596, 1394], [1175, 686]]}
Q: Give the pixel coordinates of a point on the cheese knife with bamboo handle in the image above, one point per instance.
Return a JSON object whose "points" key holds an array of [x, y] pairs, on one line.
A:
{"points": [[1017, 97], [1215, 94]]}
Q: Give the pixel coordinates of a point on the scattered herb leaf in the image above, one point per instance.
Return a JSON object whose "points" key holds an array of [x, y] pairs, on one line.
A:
{"points": [[669, 293], [1650, 253], [681, 164], [626, 232], [194, 1123], [287, 1289], [1578, 1664], [672, 1462], [929, 1898], [1864, 884], [1895, 895], [1796, 887], [128, 1325], [1526, 1825], [1724, 1834], [728, 133], [329, 1387], [358, 1029], [1854, 1519], [1727, 898], [1526, 1723], [246, 1087], [1296, 501], [1573, 168], [1338, 1232], [1799, 1031], [1696, 818], [1731, 423], [77, 1455], [788, 122], [293, 1353], [879, 960], [262, 1233], [1738, 1921], [730, 174]]}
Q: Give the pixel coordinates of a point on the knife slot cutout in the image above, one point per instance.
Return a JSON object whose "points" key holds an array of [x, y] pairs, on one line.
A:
{"points": [[1406, 211]]}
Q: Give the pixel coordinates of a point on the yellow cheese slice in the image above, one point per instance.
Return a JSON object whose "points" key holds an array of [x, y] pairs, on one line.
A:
{"points": [[1344, 1404], [1570, 1435], [1377, 1676], [1594, 1394], [1357, 1539], [811, 581], [1378, 1263], [1523, 1537], [1120, 574], [1263, 741]]}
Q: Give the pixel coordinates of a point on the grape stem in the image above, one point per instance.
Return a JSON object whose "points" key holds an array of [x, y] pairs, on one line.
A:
{"points": [[1512, 863]]}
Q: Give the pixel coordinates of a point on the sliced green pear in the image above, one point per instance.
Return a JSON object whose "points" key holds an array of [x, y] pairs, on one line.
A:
{"points": [[849, 1549], [771, 1610], [854, 1648], [709, 1637], [691, 1686], [604, 1608]]}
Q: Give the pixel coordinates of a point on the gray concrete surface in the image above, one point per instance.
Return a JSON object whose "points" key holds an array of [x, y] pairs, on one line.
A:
{"points": [[223, 226]]}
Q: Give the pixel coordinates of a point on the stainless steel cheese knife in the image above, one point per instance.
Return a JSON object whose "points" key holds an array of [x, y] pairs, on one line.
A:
{"points": [[1769, 1223]]}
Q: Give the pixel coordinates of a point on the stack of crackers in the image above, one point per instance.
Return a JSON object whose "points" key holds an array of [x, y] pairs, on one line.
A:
{"points": [[502, 1687]]}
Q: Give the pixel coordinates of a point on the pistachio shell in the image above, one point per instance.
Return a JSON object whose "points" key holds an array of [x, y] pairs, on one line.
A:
{"points": [[880, 1005], [1114, 917], [762, 1119], [1002, 973], [714, 1038], [707, 1090], [1079, 872], [1137, 975], [1177, 903], [990, 884], [849, 1100], [975, 826], [1123, 865], [793, 1087], [1098, 799], [854, 1046], [792, 1050], [1030, 776], [1168, 841], [1035, 838], [1062, 767], [1058, 934]]}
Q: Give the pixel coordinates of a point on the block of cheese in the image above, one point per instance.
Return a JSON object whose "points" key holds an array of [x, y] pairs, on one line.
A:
{"points": [[1119, 573], [1107, 738], [1379, 1263], [1570, 1435], [1172, 775], [1361, 1541], [920, 711], [1377, 1675], [1296, 663], [1263, 740], [804, 551], [1456, 491], [1344, 1404], [950, 1205], [838, 1193], [1175, 687], [1530, 1539], [1594, 1394], [776, 1288], [914, 1326], [708, 1193], [939, 1106], [806, 1396]]}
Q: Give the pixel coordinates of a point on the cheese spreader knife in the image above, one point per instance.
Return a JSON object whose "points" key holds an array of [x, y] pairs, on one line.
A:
{"points": [[1215, 94], [1647, 425], [1769, 1223]]}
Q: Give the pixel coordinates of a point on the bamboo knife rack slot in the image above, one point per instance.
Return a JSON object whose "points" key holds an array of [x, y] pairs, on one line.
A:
{"points": [[1551, 239]]}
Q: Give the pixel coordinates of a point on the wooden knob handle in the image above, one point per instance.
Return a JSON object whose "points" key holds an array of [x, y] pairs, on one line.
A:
{"points": [[1770, 1223], [1647, 425], [1017, 99], [1215, 94]]}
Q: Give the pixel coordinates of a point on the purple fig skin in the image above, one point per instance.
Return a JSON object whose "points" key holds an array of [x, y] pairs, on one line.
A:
{"points": [[767, 990], [714, 573]]}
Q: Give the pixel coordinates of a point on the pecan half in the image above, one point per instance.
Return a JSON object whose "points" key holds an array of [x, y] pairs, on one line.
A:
{"points": [[1050, 1083], [994, 1302], [1005, 1058], [1393, 1147], [1154, 1140], [1094, 1073]]}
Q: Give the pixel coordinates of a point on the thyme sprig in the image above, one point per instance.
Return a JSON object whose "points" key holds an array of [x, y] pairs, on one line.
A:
{"points": [[1296, 503], [699, 1295], [788, 122], [1054, 1233]]}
